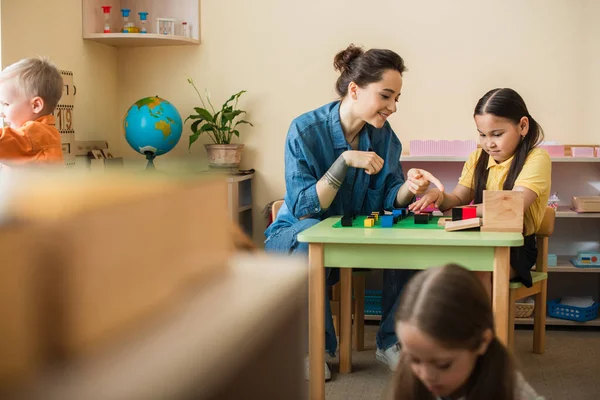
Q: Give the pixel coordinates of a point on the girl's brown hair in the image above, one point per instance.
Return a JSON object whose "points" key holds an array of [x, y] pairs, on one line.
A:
{"points": [[505, 103], [450, 305]]}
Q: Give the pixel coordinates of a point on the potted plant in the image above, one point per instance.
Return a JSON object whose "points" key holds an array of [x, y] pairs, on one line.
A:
{"points": [[220, 126]]}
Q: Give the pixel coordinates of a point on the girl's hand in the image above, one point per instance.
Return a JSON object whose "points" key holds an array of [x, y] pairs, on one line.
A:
{"points": [[419, 179], [433, 196], [367, 160]]}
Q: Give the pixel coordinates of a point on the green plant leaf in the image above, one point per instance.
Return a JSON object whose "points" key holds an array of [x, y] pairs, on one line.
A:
{"points": [[241, 121], [236, 132], [230, 116], [193, 116], [194, 126], [204, 113], [193, 137]]}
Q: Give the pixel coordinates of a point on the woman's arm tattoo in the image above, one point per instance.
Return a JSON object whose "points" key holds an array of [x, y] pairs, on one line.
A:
{"points": [[336, 173]]}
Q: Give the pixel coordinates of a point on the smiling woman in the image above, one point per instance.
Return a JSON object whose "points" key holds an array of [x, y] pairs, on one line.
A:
{"points": [[342, 158]]}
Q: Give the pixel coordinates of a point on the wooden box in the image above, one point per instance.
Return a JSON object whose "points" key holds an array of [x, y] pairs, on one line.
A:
{"points": [[502, 211], [106, 256], [586, 203]]}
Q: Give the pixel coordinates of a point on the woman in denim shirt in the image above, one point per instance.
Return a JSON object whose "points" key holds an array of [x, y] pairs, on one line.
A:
{"points": [[344, 158]]}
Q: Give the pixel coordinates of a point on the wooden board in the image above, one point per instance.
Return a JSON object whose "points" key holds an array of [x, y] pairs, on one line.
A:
{"points": [[502, 211], [463, 224], [586, 203]]}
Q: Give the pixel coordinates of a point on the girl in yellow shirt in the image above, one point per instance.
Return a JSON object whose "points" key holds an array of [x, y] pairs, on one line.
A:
{"points": [[507, 160]]}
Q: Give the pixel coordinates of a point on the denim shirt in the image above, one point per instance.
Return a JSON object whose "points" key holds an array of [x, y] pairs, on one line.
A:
{"points": [[314, 141]]}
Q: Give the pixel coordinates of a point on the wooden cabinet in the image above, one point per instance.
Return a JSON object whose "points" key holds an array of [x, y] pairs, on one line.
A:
{"points": [[240, 201], [180, 11]]}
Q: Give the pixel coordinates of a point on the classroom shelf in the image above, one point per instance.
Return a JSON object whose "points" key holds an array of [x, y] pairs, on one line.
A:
{"points": [[464, 158], [566, 212], [140, 39], [564, 265], [181, 10], [526, 321], [558, 322]]}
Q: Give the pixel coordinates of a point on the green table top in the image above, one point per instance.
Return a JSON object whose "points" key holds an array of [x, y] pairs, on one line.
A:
{"points": [[406, 223], [406, 234]]}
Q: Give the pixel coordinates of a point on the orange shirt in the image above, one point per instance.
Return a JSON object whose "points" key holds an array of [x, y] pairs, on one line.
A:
{"points": [[35, 142]]}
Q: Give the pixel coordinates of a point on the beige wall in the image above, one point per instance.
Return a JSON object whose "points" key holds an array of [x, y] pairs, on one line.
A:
{"points": [[53, 28], [282, 52]]}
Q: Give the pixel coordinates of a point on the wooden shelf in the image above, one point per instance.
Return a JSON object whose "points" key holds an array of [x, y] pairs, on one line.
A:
{"points": [[245, 208], [140, 39], [566, 212], [181, 10], [526, 321], [464, 158], [558, 322]]}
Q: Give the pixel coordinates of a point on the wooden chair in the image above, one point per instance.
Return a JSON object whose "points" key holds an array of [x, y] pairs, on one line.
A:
{"points": [[358, 303], [539, 289]]}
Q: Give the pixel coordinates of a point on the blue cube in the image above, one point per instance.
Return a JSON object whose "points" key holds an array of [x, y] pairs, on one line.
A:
{"points": [[387, 221]]}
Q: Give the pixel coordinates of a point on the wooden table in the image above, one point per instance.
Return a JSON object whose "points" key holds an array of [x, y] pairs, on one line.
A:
{"points": [[393, 248]]}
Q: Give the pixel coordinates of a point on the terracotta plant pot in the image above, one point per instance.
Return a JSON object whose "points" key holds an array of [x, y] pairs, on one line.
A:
{"points": [[224, 155]]}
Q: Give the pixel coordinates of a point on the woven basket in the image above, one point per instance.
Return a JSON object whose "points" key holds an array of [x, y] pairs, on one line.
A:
{"points": [[524, 310]]}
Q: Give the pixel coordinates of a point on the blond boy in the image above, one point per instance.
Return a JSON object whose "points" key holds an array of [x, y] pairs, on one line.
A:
{"points": [[29, 92]]}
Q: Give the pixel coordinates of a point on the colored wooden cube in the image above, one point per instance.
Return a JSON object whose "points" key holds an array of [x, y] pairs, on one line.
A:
{"points": [[466, 212], [375, 214], [421, 218], [369, 222], [457, 214], [346, 220], [387, 221]]}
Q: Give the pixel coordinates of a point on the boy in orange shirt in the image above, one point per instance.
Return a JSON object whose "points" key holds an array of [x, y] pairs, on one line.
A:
{"points": [[29, 92]]}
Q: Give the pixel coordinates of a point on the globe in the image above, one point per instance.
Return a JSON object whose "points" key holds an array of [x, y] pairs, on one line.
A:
{"points": [[152, 127]]}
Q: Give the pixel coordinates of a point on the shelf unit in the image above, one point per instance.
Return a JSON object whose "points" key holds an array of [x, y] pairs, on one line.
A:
{"points": [[574, 231], [180, 10], [404, 158]]}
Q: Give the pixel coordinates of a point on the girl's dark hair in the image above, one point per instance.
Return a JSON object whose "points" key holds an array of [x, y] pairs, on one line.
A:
{"points": [[450, 305], [364, 67], [505, 103]]}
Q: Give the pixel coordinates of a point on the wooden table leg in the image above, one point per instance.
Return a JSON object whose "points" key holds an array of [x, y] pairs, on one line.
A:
{"points": [[345, 320], [358, 327], [501, 282], [316, 321]]}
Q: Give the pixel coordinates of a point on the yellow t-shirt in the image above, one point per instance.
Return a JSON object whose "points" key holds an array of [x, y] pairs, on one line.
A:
{"points": [[535, 176]]}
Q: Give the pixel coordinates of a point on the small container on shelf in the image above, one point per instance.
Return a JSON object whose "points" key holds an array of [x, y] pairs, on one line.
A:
{"points": [[128, 26], [552, 260], [165, 26], [185, 29], [143, 17], [106, 12], [553, 201], [572, 313]]}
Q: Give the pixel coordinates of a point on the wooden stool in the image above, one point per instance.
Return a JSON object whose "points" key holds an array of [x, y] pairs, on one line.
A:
{"points": [[539, 289]]}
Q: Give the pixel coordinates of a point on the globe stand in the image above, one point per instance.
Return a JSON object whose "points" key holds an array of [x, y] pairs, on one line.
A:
{"points": [[150, 156]]}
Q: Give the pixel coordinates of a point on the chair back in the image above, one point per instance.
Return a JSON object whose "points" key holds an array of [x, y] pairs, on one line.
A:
{"points": [[544, 232], [275, 209], [547, 226]]}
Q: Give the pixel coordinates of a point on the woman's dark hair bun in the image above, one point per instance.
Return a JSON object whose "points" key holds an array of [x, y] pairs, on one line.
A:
{"points": [[345, 58]]}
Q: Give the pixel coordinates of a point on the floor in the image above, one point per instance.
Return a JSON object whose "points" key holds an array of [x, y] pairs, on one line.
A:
{"points": [[569, 370]]}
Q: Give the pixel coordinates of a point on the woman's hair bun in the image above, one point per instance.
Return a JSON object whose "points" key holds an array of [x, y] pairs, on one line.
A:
{"points": [[345, 58]]}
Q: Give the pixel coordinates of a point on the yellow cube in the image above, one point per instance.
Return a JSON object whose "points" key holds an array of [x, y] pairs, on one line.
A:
{"points": [[369, 222], [376, 215]]}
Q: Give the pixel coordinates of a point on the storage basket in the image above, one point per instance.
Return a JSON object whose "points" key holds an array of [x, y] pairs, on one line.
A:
{"points": [[524, 310], [581, 314], [373, 302]]}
